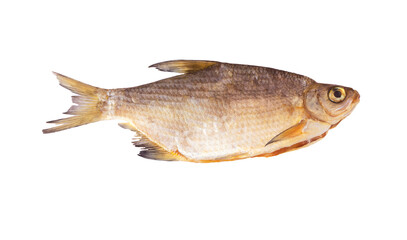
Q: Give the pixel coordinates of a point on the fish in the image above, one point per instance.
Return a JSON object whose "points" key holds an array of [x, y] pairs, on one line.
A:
{"points": [[214, 111]]}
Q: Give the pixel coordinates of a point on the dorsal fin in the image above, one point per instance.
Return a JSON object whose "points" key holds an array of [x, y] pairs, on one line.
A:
{"points": [[183, 66], [150, 149]]}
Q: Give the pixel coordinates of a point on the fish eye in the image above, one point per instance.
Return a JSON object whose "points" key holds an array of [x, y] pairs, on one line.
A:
{"points": [[336, 94]]}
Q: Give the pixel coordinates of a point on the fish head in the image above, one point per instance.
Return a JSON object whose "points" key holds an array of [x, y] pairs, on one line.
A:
{"points": [[330, 103]]}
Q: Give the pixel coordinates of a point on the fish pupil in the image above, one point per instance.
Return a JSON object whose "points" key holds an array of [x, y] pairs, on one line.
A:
{"points": [[337, 94]]}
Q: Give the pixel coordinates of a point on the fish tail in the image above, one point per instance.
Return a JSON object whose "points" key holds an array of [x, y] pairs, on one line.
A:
{"points": [[89, 105]]}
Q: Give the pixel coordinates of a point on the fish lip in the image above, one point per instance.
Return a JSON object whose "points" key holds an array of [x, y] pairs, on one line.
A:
{"points": [[356, 98]]}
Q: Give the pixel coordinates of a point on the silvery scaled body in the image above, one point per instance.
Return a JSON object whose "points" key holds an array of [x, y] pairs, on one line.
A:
{"points": [[216, 111]]}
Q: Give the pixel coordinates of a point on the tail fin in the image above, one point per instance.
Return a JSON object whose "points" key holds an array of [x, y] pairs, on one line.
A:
{"points": [[88, 108]]}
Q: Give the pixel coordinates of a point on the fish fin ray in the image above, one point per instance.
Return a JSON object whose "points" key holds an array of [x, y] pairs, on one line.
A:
{"points": [[149, 148], [153, 150], [87, 109], [291, 132], [183, 66], [294, 146], [129, 126]]}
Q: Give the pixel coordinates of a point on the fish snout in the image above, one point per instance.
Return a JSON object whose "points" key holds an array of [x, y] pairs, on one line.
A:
{"points": [[356, 97]]}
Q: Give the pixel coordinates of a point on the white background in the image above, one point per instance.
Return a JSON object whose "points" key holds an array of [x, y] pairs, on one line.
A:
{"points": [[89, 183]]}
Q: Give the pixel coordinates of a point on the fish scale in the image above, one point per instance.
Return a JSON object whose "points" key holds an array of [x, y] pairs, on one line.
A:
{"points": [[215, 111], [206, 109]]}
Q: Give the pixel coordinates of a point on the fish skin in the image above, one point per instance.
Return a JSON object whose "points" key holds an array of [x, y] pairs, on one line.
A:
{"points": [[221, 111]]}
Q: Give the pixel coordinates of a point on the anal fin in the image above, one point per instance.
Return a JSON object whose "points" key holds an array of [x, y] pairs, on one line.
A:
{"points": [[149, 148], [183, 66]]}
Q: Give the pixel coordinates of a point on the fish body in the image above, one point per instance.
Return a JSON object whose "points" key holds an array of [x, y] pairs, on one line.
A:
{"points": [[215, 111]]}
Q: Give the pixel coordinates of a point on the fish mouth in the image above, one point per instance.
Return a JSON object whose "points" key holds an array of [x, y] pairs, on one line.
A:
{"points": [[356, 98], [349, 103], [352, 105], [347, 107], [354, 102]]}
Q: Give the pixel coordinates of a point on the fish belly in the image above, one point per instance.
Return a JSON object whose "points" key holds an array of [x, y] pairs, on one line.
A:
{"points": [[205, 129]]}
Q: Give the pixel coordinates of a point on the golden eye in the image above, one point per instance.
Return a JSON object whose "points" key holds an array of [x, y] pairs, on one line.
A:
{"points": [[337, 94]]}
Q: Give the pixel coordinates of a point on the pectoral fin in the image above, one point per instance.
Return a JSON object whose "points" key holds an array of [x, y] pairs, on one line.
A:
{"points": [[291, 132], [128, 125], [183, 66]]}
